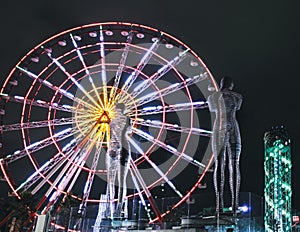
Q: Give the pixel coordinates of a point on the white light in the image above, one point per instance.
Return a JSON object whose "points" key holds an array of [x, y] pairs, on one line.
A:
{"points": [[194, 63], [19, 97], [211, 87], [181, 53], [181, 104], [154, 39], [169, 46], [66, 106], [70, 94], [244, 208], [62, 43], [199, 103], [109, 33], [124, 33], [14, 82], [17, 152], [40, 101], [140, 35], [156, 122], [149, 108], [3, 94], [47, 83], [35, 59], [33, 145], [77, 37], [48, 50], [172, 148], [93, 34]]}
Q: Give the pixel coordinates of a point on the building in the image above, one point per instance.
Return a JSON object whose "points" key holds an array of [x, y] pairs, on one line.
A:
{"points": [[277, 190]]}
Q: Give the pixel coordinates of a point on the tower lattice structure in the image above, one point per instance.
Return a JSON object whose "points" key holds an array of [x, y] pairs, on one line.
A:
{"points": [[277, 190]]}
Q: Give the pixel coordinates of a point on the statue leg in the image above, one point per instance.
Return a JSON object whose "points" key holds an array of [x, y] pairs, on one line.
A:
{"points": [[216, 184], [231, 179], [218, 148], [222, 180], [235, 176], [238, 183], [122, 188], [111, 167]]}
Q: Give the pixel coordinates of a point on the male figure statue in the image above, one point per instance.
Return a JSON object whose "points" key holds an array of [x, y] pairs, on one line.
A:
{"points": [[117, 160], [226, 141]]}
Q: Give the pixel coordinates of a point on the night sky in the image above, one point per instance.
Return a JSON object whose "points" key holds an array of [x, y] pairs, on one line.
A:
{"points": [[255, 42]]}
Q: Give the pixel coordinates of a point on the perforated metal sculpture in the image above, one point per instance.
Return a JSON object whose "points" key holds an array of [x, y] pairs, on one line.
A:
{"points": [[226, 141], [117, 160]]}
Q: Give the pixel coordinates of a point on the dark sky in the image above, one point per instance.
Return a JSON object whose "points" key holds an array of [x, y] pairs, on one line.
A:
{"points": [[255, 42]]}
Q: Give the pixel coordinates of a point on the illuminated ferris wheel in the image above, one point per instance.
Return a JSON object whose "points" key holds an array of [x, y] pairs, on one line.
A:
{"points": [[58, 101]]}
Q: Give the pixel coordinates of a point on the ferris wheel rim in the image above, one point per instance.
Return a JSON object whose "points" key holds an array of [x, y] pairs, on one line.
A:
{"points": [[49, 116]]}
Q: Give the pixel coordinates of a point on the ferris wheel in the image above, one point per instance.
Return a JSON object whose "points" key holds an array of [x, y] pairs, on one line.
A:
{"points": [[65, 87]]}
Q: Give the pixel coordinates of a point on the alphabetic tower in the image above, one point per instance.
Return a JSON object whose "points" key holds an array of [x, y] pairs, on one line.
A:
{"points": [[278, 191]]}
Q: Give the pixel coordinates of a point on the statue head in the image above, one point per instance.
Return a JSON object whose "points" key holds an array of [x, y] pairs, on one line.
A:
{"points": [[226, 83]]}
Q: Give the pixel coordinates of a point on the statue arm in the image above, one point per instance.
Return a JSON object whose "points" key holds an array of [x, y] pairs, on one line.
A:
{"points": [[212, 103], [238, 101]]}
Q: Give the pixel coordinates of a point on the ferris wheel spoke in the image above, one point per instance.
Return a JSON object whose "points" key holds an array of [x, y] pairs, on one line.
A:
{"points": [[121, 65], [155, 167], [91, 175], [31, 148], [158, 74], [139, 191], [77, 161], [61, 182], [76, 175], [140, 179], [169, 148], [65, 175], [174, 127], [151, 110], [87, 72], [53, 163], [39, 103], [170, 89], [37, 124], [53, 168], [94, 144], [79, 86], [143, 62], [103, 65], [53, 87], [73, 167]]}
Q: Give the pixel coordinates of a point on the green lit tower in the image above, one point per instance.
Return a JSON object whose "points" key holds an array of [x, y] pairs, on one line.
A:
{"points": [[278, 191]]}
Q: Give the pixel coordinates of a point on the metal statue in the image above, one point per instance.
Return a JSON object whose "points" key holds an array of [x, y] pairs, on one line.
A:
{"points": [[226, 141], [117, 161]]}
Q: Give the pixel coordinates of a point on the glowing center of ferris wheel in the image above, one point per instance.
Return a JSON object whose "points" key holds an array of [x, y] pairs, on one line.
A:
{"points": [[95, 122]]}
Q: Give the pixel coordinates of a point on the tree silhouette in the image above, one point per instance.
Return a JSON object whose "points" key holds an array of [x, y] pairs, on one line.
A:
{"points": [[18, 213]]}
